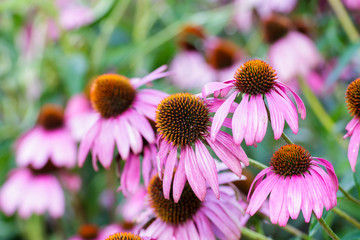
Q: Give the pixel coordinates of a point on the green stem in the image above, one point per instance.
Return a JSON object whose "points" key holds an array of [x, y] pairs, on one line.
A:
{"points": [[250, 234], [257, 164], [286, 138], [107, 28], [327, 229], [34, 228], [345, 216], [320, 112], [348, 196], [345, 20]]}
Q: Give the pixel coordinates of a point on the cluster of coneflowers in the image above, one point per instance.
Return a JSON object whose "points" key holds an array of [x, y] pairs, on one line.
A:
{"points": [[181, 146]]}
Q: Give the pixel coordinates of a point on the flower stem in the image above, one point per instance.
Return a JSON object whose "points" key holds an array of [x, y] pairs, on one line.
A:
{"points": [[327, 229], [320, 112], [286, 138], [346, 216], [345, 20], [250, 234], [257, 164], [348, 196]]}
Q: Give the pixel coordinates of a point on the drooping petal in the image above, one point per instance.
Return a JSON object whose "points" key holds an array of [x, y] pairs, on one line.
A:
{"points": [[87, 142], [277, 199], [240, 119], [277, 119], [207, 166], [156, 74], [212, 87], [220, 115], [294, 196], [300, 104], [142, 125], [180, 177], [193, 174], [169, 171], [252, 123], [353, 149], [263, 119]]}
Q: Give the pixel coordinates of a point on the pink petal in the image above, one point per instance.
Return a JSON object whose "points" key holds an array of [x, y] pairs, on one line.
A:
{"points": [[142, 125], [277, 119], [156, 74], [135, 139], [263, 119], [212, 87], [315, 195], [277, 199], [252, 122], [261, 192], [204, 226], [104, 144], [240, 119], [180, 177], [220, 115], [226, 140], [300, 104], [121, 137], [193, 174], [294, 196], [169, 171], [353, 149], [87, 142], [207, 166]]}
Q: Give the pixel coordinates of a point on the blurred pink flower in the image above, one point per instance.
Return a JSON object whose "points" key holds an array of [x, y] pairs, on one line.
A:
{"points": [[254, 81], [32, 193], [352, 4], [123, 117], [189, 218], [295, 181], [294, 55], [133, 205], [79, 115], [71, 15], [182, 121], [244, 10], [353, 127], [190, 70], [50, 140]]}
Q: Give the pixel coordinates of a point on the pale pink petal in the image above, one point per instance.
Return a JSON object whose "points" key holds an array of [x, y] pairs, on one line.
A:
{"points": [[263, 118], [226, 140], [277, 199], [350, 127], [353, 149], [180, 177], [240, 119], [300, 104], [130, 177], [142, 125], [277, 119], [63, 148], [156, 74], [147, 165], [135, 139], [219, 223], [56, 198], [193, 174], [151, 96], [204, 226], [220, 115], [161, 156], [307, 202], [121, 137], [87, 142], [169, 171], [212, 87], [252, 123], [104, 143], [207, 166], [146, 109]]}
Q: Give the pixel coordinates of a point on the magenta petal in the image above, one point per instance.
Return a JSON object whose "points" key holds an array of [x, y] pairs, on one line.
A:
{"points": [[329, 167], [220, 115], [277, 119], [193, 174], [161, 156], [259, 179], [350, 127], [263, 119], [252, 123], [294, 196], [240, 119], [180, 177], [226, 140], [87, 142], [261, 192], [315, 195], [325, 194], [207, 166], [169, 171]]}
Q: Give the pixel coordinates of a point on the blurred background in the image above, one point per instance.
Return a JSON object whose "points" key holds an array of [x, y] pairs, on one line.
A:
{"points": [[51, 50]]}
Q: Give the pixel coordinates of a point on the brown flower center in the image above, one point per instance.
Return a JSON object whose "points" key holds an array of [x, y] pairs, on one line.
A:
{"points": [[190, 37], [290, 160], [255, 77], [88, 231], [223, 55], [182, 118], [169, 211], [51, 117], [111, 94], [353, 98], [276, 27], [123, 236]]}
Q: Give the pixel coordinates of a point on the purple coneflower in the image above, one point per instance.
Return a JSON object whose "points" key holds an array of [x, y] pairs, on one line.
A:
{"points": [[190, 218], [123, 117], [49, 139], [295, 181], [255, 81], [182, 121], [353, 127], [292, 53], [32, 191]]}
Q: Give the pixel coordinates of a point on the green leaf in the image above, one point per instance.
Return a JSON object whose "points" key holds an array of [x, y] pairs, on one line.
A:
{"points": [[352, 236], [357, 177]]}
